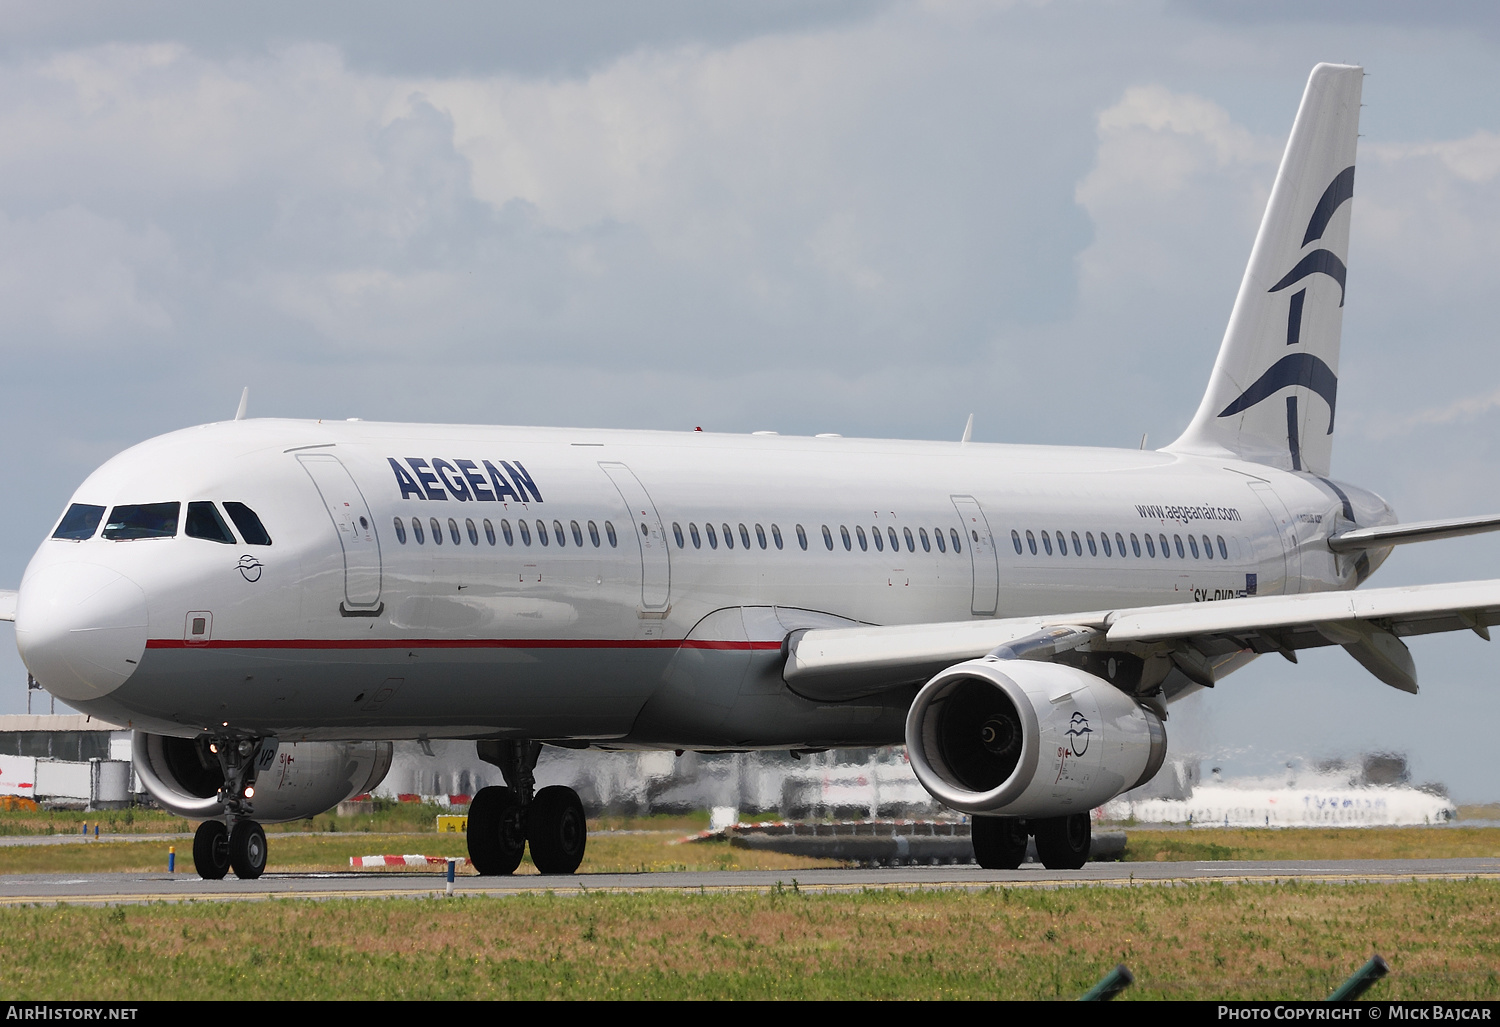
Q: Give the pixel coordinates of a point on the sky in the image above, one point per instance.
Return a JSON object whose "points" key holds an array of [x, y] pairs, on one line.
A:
{"points": [[792, 215]]}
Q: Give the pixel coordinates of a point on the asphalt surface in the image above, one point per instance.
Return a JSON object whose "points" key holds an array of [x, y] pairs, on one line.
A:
{"points": [[99, 889]]}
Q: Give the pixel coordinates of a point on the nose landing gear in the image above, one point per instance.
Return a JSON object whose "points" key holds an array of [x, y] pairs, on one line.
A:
{"points": [[503, 820], [237, 842]]}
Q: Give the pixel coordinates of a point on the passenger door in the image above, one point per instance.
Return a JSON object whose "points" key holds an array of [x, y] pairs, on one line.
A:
{"points": [[356, 530], [982, 555]]}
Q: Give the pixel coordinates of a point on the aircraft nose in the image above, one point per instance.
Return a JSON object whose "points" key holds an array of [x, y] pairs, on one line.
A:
{"points": [[81, 629]]}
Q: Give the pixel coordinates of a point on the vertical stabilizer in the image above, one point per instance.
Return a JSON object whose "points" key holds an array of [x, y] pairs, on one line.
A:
{"points": [[1273, 391]]}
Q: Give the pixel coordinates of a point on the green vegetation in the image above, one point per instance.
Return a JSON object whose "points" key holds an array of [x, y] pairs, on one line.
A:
{"points": [[616, 848], [1203, 941], [1219, 843], [607, 853]]}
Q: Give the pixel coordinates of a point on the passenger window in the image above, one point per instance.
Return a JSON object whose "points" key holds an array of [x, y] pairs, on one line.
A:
{"points": [[541, 533], [1193, 545], [713, 537], [1047, 543], [728, 536], [1120, 544], [525, 532], [453, 530], [594, 534], [802, 538], [1062, 545], [416, 530], [693, 534], [1135, 545], [251, 530], [557, 533], [1077, 546], [146, 520], [577, 533], [957, 544], [844, 531], [1150, 546], [911, 543], [489, 531], [937, 534], [890, 533], [1208, 548], [437, 531], [775, 535], [744, 537], [859, 533], [1223, 549], [1089, 535], [1030, 541], [1104, 541], [609, 533], [879, 541], [677, 534], [1181, 553], [828, 538], [203, 521], [400, 531], [472, 530], [79, 523], [1166, 553], [510, 539], [927, 542], [760, 536]]}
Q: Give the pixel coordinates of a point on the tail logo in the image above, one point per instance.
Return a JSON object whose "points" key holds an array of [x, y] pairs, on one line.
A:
{"points": [[1304, 369]]}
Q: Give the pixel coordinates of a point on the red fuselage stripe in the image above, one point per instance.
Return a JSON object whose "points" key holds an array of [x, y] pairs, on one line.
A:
{"points": [[456, 643]]}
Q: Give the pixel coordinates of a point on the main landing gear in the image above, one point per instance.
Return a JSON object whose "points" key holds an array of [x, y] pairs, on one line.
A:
{"points": [[503, 820], [236, 843], [1062, 843]]}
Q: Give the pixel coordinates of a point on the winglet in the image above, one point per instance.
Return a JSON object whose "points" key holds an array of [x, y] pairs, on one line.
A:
{"points": [[8, 604], [968, 431], [239, 415]]}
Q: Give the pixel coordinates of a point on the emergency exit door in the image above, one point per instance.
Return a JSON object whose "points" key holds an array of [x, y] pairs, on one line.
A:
{"points": [[645, 525], [982, 556]]}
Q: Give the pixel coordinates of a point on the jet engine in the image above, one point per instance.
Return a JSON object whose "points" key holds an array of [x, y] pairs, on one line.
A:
{"points": [[1029, 739], [290, 780]]}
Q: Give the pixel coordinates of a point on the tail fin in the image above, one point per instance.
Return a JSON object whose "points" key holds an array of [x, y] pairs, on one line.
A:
{"points": [[1272, 393]]}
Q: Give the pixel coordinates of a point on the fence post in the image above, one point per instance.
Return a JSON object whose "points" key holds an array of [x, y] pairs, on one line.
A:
{"points": [[1114, 982], [1362, 980]]}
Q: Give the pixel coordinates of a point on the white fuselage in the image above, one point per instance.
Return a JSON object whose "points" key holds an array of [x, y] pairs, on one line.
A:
{"points": [[630, 610]]}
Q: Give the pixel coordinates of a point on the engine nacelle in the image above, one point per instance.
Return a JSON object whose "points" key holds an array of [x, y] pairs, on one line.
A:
{"points": [[1029, 739], [293, 780]]}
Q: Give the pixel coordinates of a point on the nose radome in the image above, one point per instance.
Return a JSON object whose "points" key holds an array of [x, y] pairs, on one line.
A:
{"points": [[81, 629]]}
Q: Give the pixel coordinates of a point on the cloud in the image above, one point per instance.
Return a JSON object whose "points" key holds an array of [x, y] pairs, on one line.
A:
{"points": [[89, 282]]}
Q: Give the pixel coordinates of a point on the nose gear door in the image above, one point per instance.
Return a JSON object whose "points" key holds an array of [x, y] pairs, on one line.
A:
{"points": [[356, 529]]}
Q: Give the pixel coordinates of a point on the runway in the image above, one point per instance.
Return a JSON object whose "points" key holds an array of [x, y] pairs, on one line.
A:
{"points": [[106, 889]]}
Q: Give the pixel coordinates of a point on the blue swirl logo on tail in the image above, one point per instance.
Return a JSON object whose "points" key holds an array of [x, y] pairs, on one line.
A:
{"points": [[1304, 369]]}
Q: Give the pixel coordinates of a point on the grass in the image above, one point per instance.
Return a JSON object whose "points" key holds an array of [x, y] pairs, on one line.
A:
{"points": [[1202, 941], [1217, 843], [646, 845], [606, 853]]}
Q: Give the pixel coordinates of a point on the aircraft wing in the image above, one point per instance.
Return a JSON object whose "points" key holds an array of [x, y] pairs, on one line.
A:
{"points": [[831, 663], [8, 604]]}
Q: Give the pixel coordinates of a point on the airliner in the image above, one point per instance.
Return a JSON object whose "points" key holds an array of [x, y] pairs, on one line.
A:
{"points": [[268, 604]]}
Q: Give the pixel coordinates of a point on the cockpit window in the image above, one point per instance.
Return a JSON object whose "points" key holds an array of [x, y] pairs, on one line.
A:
{"points": [[80, 522], [203, 521], [253, 532], [144, 520]]}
